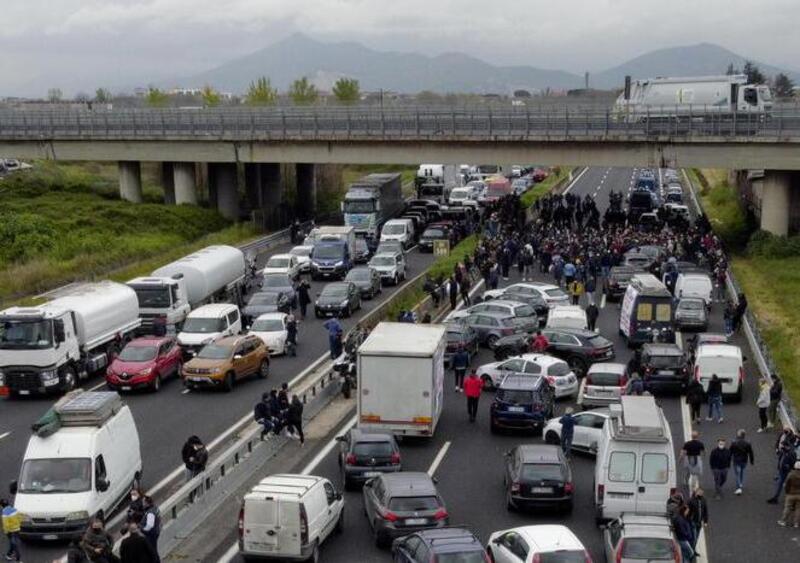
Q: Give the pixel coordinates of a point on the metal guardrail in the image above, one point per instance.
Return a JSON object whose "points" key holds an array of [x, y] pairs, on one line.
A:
{"points": [[397, 124]]}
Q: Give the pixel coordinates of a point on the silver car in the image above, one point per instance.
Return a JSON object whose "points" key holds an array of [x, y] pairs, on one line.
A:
{"points": [[639, 538], [603, 385], [691, 313]]}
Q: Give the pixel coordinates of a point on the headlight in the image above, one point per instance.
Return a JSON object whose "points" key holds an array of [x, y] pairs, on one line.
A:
{"points": [[146, 371], [339, 264], [79, 515], [344, 303], [49, 375]]}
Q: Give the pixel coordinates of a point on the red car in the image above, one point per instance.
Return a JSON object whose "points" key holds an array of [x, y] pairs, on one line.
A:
{"points": [[144, 363]]}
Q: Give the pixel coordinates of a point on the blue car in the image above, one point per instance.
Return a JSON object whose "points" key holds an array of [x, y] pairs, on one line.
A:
{"points": [[522, 402]]}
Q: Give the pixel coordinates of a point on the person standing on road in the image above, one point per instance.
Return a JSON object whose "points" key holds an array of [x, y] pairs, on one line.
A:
{"points": [[590, 287], [460, 365], [684, 533], [151, 524], [262, 413], [12, 522], [695, 396], [540, 343], [792, 503], [295, 419], [567, 430], [692, 457], [741, 454], [763, 402], [592, 312], [135, 548], [303, 298], [714, 394], [291, 335], [787, 457], [473, 386], [741, 309], [463, 288], [698, 514], [195, 457], [334, 328], [97, 543], [775, 395], [720, 462]]}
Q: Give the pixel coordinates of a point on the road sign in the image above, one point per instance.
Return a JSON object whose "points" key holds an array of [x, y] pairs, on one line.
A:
{"points": [[441, 248]]}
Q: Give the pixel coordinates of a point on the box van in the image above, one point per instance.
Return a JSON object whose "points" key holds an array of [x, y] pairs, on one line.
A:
{"points": [[289, 516], [207, 324], [80, 464], [567, 316], [727, 362], [646, 308], [635, 468], [694, 285], [400, 230]]}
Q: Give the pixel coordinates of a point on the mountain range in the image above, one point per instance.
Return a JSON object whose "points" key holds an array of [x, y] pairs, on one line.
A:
{"points": [[323, 63]]}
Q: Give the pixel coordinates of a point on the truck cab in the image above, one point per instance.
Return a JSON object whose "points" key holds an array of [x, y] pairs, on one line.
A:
{"points": [[161, 300]]}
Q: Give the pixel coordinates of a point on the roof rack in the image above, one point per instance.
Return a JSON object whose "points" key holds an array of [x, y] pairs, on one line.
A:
{"points": [[89, 408], [638, 418]]}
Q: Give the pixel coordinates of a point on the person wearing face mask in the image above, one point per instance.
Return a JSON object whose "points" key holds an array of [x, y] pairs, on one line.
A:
{"points": [[136, 506], [720, 462], [97, 543]]}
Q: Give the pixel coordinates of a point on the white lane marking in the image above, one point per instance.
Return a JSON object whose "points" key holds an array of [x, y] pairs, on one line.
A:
{"points": [[4, 435], [575, 180], [186, 391], [687, 435], [603, 301], [96, 387], [438, 459]]}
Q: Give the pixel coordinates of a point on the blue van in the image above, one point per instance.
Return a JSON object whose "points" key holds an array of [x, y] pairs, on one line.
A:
{"points": [[522, 402]]}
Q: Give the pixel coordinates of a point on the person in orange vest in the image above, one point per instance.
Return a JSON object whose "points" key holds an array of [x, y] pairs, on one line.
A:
{"points": [[473, 386]]}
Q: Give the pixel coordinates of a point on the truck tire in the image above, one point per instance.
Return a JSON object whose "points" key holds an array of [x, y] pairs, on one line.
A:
{"points": [[69, 378], [229, 382]]}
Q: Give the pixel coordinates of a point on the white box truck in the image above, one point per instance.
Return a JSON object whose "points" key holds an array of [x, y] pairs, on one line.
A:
{"points": [[170, 292], [401, 379], [50, 347]]}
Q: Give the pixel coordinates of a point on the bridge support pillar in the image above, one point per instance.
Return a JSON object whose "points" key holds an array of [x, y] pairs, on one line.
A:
{"points": [[168, 182], [272, 195], [775, 202], [130, 180], [306, 205], [223, 180], [185, 183]]}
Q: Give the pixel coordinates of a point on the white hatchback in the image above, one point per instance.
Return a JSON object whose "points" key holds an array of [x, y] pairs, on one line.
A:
{"points": [[588, 430], [287, 264], [271, 328], [303, 254], [529, 544], [557, 372]]}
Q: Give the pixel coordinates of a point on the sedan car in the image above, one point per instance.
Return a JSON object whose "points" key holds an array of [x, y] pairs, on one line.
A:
{"points": [[303, 254], [643, 538], [364, 455], [533, 544], [531, 299], [367, 280], [552, 294], [615, 285], [431, 234], [286, 264], [362, 251], [338, 299], [691, 314], [266, 302], [143, 363], [454, 545], [271, 328], [460, 337], [280, 283], [588, 430], [538, 475], [557, 372]]}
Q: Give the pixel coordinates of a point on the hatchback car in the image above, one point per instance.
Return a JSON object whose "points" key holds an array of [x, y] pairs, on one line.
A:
{"points": [[280, 283], [446, 545], [460, 337], [643, 538], [337, 299], [531, 299], [490, 327], [397, 504], [144, 363], [579, 348], [286, 264], [546, 543], [364, 455], [509, 307], [664, 368], [603, 385], [222, 363], [303, 254], [691, 314], [362, 251], [367, 280], [587, 433], [615, 285], [537, 476], [521, 402], [266, 302], [271, 328], [556, 371], [552, 294]]}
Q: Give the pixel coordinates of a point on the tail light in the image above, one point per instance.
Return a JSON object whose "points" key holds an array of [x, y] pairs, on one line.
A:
{"points": [[569, 488], [741, 374], [620, 550], [486, 558], [515, 487], [537, 558], [303, 525], [350, 459], [241, 522], [395, 458], [388, 515], [623, 381], [601, 493], [441, 514]]}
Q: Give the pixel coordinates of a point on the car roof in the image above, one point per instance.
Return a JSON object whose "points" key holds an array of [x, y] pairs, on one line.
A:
{"points": [[270, 316], [409, 483], [607, 367], [496, 314], [337, 283], [443, 540], [584, 333], [506, 302], [214, 309], [150, 341], [521, 382], [286, 255], [662, 349], [550, 537], [385, 253], [359, 435], [542, 359], [539, 452], [728, 350]]}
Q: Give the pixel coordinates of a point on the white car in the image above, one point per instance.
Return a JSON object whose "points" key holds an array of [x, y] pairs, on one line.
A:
{"points": [[552, 294], [588, 430], [557, 372], [462, 196], [271, 328], [303, 254], [529, 544], [283, 264], [604, 384], [514, 308], [391, 267]]}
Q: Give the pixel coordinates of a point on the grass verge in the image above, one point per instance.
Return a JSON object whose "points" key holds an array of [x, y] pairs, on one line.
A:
{"points": [[558, 174], [720, 201]]}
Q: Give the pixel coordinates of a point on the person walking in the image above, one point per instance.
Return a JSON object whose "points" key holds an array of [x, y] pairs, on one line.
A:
{"points": [[741, 455], [460, 365], [590, 287], [592, 312], [464, 288], [763, 402], [791, 504], [334, 328], [695, 396], [698, 514], [567, 422], [303, 298], [97, 543], [714, 394], [473, 387], [135, 548], [291, 335], [739, 312], [151, 524], [12, 522], [295, 419], [262, 413], [684, 533], [720, 462], [195, 457], [692, 458], [787, 457], [775, 395], [452, 292]]}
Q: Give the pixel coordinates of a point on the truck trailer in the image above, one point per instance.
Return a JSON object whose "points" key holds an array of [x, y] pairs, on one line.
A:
{"points": [[371, 201]]}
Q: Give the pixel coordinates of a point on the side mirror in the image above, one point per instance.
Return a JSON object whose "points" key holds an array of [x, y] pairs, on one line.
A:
{"points": [[103, 485], [338, 496], [12, 487]]}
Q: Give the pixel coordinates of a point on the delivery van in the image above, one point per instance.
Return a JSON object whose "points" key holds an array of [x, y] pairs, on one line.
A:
{"points": [[646, 311], [694, 284], [724, 360], [207, 324]]}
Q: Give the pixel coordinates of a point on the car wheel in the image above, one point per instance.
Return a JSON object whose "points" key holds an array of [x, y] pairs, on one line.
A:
{"points": [[70, 379], [577, 364], [492, 340], [229, 381], [552, 438], [155, 386], [488, 384], [263, 369], [396, 280]]}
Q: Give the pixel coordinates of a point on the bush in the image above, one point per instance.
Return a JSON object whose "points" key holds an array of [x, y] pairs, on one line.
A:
{"points": [[766, 245]]}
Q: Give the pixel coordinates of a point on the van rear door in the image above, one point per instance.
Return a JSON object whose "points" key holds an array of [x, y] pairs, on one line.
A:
{"points": [[268, 526], [653, 487], [621, 482]]}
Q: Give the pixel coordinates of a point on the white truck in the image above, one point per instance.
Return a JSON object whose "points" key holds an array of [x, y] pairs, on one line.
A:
{"points": [[401, 379], [170, 292], [371, 201], [50, 347], [692, 97]]}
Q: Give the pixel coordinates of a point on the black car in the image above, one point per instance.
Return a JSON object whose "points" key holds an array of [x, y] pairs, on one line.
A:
{"points": [[338, 299], [664, 368], [364, 455], [362, 252], [455, 545], [615, 285], [266, 302], [522, 402], [368, 281], [432, 233], [579, 348], [538, 476], [460, 337]]}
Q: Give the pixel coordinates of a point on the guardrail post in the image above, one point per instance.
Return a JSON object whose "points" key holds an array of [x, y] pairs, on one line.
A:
{"points": [[490, 122], [566, 121]]}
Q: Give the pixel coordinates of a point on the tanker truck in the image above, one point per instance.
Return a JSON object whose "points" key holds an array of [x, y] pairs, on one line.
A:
{"points": [[215, 273], [49, 348]]}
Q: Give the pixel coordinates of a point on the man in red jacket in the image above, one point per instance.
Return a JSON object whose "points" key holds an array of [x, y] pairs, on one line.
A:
{"points": [[472, 389], [540, 343]]}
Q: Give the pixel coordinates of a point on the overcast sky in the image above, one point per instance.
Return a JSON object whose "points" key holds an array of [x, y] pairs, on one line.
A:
{"points": [[82, 44]]}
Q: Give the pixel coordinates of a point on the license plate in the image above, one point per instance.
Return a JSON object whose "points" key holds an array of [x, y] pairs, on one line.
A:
{"points": [[24, 392], [665, 372], [49, 537], [416, 521], [542, 490], [604, 392], [197, 379], [371, 473], [126, 388], [516, 409]]}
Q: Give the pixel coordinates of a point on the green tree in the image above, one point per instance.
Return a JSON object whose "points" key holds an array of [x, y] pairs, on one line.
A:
{"points": [[783, 86], [261, 93], [102, 96], [302, 92], [54, 95], [753, 73], [347, 90], [155, 98], [211, 97]]}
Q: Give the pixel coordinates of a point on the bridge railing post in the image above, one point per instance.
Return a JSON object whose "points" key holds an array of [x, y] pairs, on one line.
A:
{"points": [[566, 122], [490, 122], [607, 122]]}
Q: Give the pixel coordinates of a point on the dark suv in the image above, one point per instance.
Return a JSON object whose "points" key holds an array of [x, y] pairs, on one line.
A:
{"points": [[538, 475], [522, 402], [615, 285], [664, 368], [457, 545], [363, 455]]}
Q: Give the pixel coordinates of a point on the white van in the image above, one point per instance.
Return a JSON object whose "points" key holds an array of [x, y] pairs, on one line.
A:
{"points": [[80, 466], [646, 309], [289, 516], [567, 316], [727, 362], [635, 468], [401, 230], [694, 285], [207, 324]]}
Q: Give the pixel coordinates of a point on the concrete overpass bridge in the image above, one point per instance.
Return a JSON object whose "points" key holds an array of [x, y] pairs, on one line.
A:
{"points": [[262, 139]]}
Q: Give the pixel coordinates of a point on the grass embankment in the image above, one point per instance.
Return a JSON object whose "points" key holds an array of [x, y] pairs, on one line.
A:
{"points": [[538, 190], [59, 224], [721, 203]]}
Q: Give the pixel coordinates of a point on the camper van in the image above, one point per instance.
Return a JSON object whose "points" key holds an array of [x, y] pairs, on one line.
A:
{"points": [[646, 311], [635, 468]]}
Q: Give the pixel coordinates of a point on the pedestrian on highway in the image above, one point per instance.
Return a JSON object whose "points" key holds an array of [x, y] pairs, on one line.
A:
{"points": [[691, 457], [295, 419], [460, 365], [592, 312], [151, 524], [741, 309], [590, 286], [695, 396], [787, 457], [75, 553], [291, 335], [473, 386], [635, 386], [283, 397], [714, 394], [135, 506], [303, 298], [135, 548], [720, 462], [698, 514], [567, 422], [540, 343], [791, 505], [452, 292], [741, 455], [684, 533], [334, 328], [463, 288], [195, 457], [763, 402], [727, 317], [97, 543], [262, 413], [12, 522], [775, 396]]}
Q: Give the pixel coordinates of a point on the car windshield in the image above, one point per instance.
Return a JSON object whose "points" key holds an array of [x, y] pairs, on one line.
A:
{"points": [[203, 325], [267, 325], [137, 353], [359, 206], [301, 250], [358, 275], [541, 472], [214, 352], [263, 299], [666, 361], [648, 549], [475, 556], [334, 290], [515, 396], [26, 334], [394, 229], [373, 449], [691, 305], [382, 261], [413, 504], [153, 297], [278, 263], [459, 194], [328, 252], [433, 233], [598, 341], [66, 475], [276, 280]]}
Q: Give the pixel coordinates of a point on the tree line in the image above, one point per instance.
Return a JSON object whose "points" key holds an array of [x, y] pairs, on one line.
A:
{"points": [[782, 85]]}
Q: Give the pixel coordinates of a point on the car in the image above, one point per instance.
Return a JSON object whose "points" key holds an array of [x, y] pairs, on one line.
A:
{"points": [[587, 433], [271, 328], [532, 299], [389, 247], [222, 363], [144, 363], [521, 402], [706, 338], [462, 196], [364, 455], [676, 211], [286, 264], [397, 504], [280, 283], [694, 284], [367, 280], [391, 267], [673, 196], [664, 367], [637, 260], [691, 314], [537, 476], [490, 327], [460, 336], [552, 294], [266, 302], [579, 348], [649, 222], [455, 545], [643, 538], [616, 283], [520, 186], [362, 252], [303, 254], [509, 307], [567, 316], [603, 385], [432, 233], [337, 299], [545, 543], [556, 371]]}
